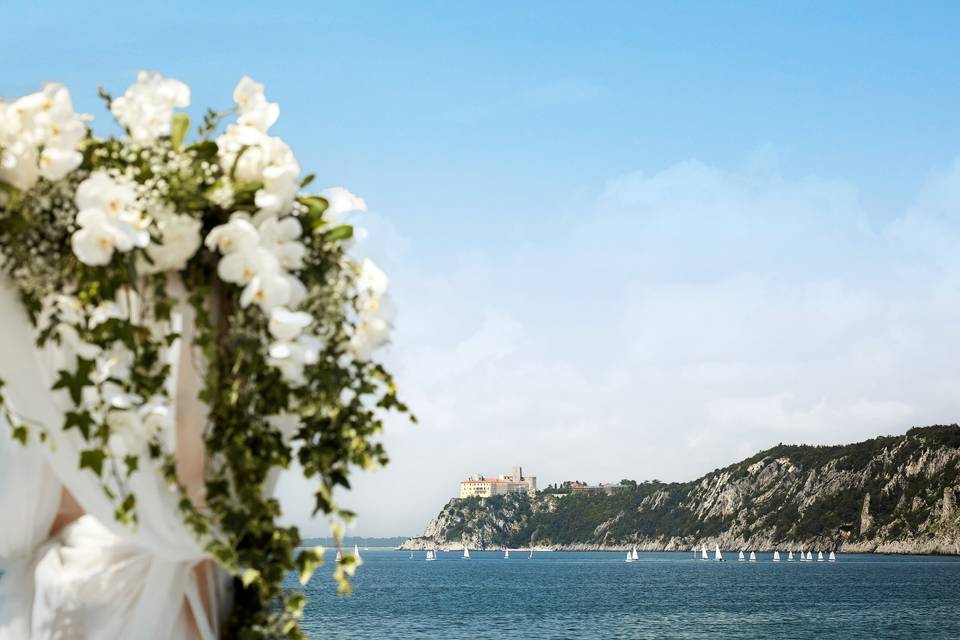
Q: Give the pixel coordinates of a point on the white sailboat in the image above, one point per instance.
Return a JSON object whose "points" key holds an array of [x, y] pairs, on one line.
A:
{"points": [[833, 557], [809, 557], [703, 552], [753, 557], [819, 556], [506, 554], [629, 557], [531, 554], [790, 557], [776, 556], [740, 557], [431, 556], [338, 556], [466, 553], [634, 555], [411, 555], [716, 553], [356, 552]]}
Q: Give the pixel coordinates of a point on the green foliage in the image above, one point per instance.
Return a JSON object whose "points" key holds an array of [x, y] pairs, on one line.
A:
{"points": [[901, 503], [339, 408], [178, 130]]}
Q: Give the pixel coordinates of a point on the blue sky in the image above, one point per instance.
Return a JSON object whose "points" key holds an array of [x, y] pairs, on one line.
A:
{"points": [[626, 239]]}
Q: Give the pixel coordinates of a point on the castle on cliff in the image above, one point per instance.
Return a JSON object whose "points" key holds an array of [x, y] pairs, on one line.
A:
{"points": [[485, 487]]}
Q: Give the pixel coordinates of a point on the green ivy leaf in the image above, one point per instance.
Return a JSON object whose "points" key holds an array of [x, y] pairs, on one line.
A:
{"points": [[20, 434], [80, 420], [249, 576], [92, 459], [343, 232], [125, 513], [307, 562], [204, 150], [76, 381], [315, 205], [178, 130]]}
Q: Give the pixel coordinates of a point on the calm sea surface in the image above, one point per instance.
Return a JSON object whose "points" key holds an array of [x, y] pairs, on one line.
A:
{"points": [[664, 595]]}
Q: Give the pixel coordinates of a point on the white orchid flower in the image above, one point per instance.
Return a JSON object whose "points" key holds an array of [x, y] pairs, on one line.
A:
{"points": [[126, 433], [96, 240], [107, 311], [18, 166], [146, 108], [268, 289], [236, 235], [280, 187], [39, 135], [179, 240], [341, 202], [372, 280], [286, 324], [55, 163], [64, 135], [100, 191], [109, 219], [279, 236], [370, 334], [290, 357], [159, 420], [71, 343], [277, 231], [240, 267], [298, 292], [115, 363], [252, 104], [373, 324], [114, 396], [243, 153]]}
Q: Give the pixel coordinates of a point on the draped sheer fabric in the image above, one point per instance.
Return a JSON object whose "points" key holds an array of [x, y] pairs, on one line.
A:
{"points": [[95, 578]]}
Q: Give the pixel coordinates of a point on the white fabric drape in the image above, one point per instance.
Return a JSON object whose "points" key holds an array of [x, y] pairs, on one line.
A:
{"points": [[29, 496], [96, 579]]}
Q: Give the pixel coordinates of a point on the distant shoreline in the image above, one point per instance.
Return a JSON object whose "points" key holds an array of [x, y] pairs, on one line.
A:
{"points": [[887, 549]]}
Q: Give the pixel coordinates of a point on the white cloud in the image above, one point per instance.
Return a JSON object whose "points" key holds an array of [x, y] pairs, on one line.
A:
{"points": [[696, 315]]}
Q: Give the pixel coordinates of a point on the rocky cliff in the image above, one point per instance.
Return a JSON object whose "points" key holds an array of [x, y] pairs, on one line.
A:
{"points": [[892, 494]]}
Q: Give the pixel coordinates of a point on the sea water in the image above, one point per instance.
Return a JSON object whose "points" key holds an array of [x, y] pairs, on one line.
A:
{"points": [[663, 595]]}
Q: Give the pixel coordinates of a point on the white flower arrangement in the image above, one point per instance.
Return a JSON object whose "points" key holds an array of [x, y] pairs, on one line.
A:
{"points": [[94, 231]]}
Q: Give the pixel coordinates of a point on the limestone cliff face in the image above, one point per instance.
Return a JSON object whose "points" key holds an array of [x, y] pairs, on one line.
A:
{"points": [[891, 494]]}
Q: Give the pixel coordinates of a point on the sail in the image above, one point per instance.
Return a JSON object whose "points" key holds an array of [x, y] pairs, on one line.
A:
{"points": [[635, 556], [716, 553], [506, 554], [466, 553], [740, 557], [809, 557], [703, 552], [833, 558], [776, 556], [819, 556], [790, 557], [629, 557], [356, 552], [531, 554], [753, 557], [338, 556]]}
